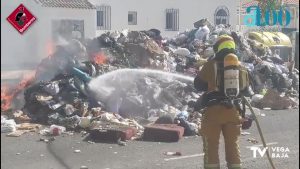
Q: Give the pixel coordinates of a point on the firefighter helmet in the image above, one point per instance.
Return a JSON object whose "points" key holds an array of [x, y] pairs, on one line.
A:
{"points": [[223, 42]]}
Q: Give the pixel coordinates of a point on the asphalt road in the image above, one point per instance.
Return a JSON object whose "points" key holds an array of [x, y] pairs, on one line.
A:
{"points": [[280, 129]]}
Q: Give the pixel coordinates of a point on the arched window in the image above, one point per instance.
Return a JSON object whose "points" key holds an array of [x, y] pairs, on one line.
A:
{"points": [[222, 15]]}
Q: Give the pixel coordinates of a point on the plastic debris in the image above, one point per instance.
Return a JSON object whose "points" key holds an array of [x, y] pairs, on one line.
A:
{"points": [[7, 126], [85, 122], [182, 52], [257, 98], [56, 130], [91, 142], [51, 139], [121, 143], [252, 140], [52, 88], [202, 33], [172, 153], [244, 133], [77, 151]]}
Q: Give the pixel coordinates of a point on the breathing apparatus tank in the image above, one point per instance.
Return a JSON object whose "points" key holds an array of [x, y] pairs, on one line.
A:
{"points": [[231, 76]]}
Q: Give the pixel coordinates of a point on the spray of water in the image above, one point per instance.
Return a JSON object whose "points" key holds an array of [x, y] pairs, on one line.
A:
{"points": [[141, 72], [123, 78], [110, 87]]}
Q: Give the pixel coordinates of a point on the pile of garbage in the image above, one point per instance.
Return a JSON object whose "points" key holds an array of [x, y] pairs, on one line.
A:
{"points": [[73, 89], [136, 78], [275, 84]]}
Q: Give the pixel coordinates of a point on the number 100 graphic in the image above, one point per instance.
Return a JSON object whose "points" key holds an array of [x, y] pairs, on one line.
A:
{"points": [[254, 17]]}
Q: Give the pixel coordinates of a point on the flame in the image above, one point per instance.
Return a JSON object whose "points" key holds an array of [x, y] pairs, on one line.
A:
{"points": [[8, 93], [50, 48], [99, 58], [6, 97], [26, 80]]}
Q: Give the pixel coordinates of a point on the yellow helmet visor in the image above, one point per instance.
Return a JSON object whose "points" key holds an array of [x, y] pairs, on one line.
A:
{"points": [[226, 45]]}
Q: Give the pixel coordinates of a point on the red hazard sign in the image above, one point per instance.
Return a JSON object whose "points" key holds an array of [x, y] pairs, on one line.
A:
{"points": [[21, 18]]}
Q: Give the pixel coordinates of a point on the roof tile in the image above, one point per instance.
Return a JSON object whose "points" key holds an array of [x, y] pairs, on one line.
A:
{"points": [[81, 4]]}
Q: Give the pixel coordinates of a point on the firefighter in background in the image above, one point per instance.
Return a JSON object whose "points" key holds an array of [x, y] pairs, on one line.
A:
{"points": [[224, 81]]}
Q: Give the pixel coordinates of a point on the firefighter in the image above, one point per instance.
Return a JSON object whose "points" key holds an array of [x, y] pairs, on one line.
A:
{"points": [[223, 81]]}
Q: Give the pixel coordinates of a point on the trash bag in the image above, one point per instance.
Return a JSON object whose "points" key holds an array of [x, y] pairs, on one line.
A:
{"points": [[52, 88], [202, 33], [165, 119], [256, 98], [276, 60], [7, 126], [248, 66], [295, 80], [182, 52], [281, 82], [189, 128], [201, 23], [183, 114]]}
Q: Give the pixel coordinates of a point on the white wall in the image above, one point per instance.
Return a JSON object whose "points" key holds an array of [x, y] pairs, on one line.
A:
{"points": [[151, 14], [50, 14], [16, 48], [30, 47]]}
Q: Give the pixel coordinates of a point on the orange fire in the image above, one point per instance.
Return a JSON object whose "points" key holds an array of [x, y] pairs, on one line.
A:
{"points": [[26, 80], [6, 97], [99, 58], [8, 93], [50, 47]]}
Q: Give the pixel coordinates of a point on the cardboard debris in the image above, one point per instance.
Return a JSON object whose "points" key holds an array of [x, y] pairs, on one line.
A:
{"points": [[17, 133], [29, 126]]}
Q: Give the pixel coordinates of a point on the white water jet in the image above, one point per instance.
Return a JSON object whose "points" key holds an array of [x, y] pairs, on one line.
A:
{"points": [[123, 78], [112, 87]]}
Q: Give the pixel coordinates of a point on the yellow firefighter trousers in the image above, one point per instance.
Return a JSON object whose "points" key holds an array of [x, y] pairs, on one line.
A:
{"points": [[217, 119]]}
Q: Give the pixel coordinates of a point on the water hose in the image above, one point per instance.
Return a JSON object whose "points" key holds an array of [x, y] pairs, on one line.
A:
{"points": [[259, 130]]}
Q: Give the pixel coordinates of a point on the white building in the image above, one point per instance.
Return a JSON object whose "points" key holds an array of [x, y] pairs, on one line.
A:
{"points": [[60, 20], [168, 16], [56, 21]]}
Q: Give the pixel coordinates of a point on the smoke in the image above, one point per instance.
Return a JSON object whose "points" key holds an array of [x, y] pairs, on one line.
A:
{"points": [[61, 41], [25, 51]]}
